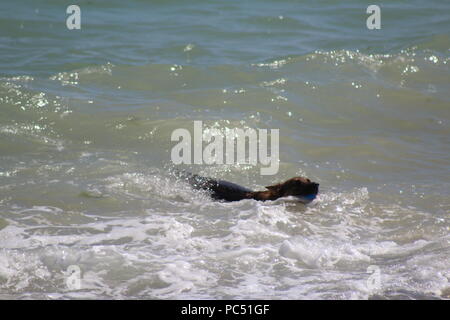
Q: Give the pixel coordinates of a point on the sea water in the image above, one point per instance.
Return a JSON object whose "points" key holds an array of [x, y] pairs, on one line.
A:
{"points": [[86, 117]]}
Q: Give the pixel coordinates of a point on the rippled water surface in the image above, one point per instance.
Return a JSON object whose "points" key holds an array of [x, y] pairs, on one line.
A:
{"points": [[86, 118]]}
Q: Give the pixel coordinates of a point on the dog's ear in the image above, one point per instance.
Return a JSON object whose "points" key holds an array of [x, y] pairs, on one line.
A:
{"points": [[275, 187]]}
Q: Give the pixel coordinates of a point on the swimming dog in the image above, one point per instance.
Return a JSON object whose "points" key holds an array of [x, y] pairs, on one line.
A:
{"points": [[301, 188]]}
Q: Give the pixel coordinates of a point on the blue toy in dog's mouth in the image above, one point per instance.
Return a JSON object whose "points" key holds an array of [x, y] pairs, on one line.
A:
{"points": [[311, 197], [308, 198]]}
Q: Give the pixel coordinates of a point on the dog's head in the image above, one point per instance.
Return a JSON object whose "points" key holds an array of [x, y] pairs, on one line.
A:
{"points": [[299, 187]]}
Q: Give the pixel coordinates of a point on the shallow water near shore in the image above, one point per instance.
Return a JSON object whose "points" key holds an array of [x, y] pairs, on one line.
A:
{"points": [[85, 124]]}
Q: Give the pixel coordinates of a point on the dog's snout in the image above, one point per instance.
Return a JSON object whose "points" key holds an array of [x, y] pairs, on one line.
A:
{"points": [[315, 186]]}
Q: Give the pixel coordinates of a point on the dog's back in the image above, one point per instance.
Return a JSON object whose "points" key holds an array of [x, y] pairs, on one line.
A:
{"points": [[220, 189]]}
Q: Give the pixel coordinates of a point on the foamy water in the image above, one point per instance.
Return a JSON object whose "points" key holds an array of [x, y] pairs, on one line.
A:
{"points": [[85, 126]]}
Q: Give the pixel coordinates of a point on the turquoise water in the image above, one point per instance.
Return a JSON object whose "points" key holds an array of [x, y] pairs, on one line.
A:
{"points": [[85, 123]]}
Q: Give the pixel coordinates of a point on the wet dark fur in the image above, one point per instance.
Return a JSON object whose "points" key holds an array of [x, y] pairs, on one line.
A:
{"points": [[299, 187]]}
